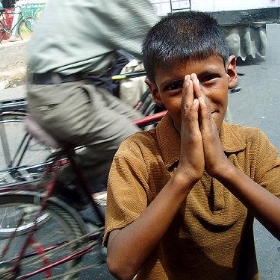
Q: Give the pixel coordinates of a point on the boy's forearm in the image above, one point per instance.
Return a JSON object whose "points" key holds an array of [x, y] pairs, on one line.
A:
{"points": [[260, 202], [129, 247]]}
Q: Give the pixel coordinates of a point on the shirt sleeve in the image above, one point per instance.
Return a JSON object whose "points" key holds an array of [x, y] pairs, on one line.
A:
{"points": [[127, 193]]}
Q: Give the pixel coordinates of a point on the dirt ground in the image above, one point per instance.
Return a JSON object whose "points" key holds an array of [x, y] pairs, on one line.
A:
{"points": [[12, 63]]}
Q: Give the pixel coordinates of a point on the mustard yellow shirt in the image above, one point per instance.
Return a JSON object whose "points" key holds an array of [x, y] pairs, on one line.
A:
{"points": [[211, 237]]}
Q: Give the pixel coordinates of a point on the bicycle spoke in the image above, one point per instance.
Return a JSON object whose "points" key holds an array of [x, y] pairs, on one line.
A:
{"points": [[57, 242], [26, 28]]}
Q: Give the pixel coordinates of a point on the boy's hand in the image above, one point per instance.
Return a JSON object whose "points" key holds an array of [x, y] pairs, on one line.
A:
{"points": [[214, 157], [191, 163]]}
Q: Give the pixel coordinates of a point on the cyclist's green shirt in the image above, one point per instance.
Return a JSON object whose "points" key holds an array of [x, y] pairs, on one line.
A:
{"points": [[211, 237], [80, 35]]}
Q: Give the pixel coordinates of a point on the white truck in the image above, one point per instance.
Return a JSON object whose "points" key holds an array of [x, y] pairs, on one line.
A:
{"points": [[245, 21]]}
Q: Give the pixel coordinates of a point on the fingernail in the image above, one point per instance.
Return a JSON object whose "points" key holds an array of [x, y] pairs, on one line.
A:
{"points": [[194, 78]]}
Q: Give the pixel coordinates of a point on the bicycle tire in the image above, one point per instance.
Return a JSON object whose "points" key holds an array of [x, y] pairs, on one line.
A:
{"points": [[21, 157], [63, 226], [26, 28]]}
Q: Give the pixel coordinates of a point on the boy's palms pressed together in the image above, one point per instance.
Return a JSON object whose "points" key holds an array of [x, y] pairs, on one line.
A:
{"points": [[191, 163]]}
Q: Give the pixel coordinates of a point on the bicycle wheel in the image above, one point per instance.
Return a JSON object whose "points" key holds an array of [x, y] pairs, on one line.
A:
{"points": [[9, 225], [56, 238], [21, 157], [26, 28]]}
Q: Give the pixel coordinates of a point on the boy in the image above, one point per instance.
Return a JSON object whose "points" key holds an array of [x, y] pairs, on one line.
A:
{"points": [[182, 197]]}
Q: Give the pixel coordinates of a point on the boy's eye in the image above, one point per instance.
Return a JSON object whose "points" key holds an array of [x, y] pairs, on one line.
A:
{"points": [[208, 78], [175, 85]]}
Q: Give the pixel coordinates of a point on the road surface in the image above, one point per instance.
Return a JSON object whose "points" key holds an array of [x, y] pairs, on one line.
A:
{"points": [[257, 104]]}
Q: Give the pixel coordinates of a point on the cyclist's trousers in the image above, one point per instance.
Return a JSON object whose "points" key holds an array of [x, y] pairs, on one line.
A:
{"points": [[79, 113]]}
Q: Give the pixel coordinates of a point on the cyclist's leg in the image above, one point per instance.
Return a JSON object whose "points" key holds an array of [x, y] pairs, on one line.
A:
{"points": [[78, 114], [82, 114], [112, 124], [61, 224]]}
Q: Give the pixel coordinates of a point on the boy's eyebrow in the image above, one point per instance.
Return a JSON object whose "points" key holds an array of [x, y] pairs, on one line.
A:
{"points": [[208, 71]]}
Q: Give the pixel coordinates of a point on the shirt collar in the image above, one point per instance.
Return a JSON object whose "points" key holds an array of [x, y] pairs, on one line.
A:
{"points": [[169, 140]]}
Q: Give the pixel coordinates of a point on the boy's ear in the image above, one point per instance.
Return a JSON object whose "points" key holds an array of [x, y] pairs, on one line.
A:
{"points": [[232, 73], [154, 91]]}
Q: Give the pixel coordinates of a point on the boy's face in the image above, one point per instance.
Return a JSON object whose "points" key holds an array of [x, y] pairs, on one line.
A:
{"points": [[215, 79]]}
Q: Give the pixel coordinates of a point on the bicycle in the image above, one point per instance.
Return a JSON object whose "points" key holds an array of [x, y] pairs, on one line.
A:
{"points": [[41, 234], [23, 26]]}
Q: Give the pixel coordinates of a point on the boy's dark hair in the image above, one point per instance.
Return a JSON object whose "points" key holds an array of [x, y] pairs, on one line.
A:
{"points": [[182, 36]]}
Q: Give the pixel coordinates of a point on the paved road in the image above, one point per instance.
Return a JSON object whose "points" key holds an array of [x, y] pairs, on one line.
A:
{"points": [[257, 104]]}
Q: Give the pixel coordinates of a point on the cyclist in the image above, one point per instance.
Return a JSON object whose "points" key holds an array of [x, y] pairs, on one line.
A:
{"points": [[75, 43]]}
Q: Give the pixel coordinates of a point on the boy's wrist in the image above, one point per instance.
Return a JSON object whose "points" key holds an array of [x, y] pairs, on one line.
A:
{"points": [[182, 183], [226, 172]]}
